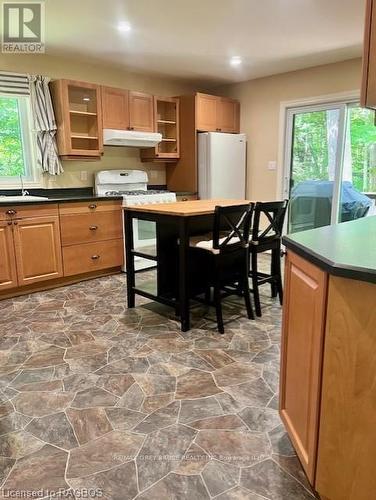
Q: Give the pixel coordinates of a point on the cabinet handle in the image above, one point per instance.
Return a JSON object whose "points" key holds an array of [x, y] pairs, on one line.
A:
{"points": [[93, 228], [15, 223], [10, 223], [11, 212], [95, 257], [93, 206]]}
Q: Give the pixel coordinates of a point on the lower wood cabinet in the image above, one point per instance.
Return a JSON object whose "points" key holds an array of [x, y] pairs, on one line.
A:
{"points": [[86, 228], [91, 257], [30, 248], [8, 270], [92, 236], [46, 242], [347, 437], [301, 357], [328, 381], [38, 249]]}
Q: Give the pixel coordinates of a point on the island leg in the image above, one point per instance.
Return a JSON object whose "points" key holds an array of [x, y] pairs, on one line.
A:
{"points": [[129, 258], [183, 274]]}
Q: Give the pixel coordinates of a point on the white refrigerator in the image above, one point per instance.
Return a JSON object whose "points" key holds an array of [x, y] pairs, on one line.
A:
{"points": [[221, 165]]}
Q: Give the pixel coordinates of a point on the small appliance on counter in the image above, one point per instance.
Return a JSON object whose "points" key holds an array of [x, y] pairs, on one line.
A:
{"points": [[132, 185]]}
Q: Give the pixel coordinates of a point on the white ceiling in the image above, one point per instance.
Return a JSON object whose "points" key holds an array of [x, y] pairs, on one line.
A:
{"points": [[194, 39]]}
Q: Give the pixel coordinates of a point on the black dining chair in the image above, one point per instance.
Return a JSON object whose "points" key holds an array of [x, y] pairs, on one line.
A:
{"points": [[219, 261], [266, 235]]}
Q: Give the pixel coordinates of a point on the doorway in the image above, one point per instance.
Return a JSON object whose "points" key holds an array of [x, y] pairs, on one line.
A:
{"points": [[330, 165]]}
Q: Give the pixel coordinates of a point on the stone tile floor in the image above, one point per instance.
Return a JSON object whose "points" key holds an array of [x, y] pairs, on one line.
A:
{"points": [[119, 404]]}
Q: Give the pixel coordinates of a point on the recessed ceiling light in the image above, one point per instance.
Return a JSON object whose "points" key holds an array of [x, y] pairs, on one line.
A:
{"points": [[235, 60], [124, 27]]}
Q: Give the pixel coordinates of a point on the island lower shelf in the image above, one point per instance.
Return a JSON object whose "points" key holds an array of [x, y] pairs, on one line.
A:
{"points": [[328, 378]]}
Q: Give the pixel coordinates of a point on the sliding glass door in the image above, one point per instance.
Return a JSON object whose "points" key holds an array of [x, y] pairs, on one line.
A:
{"points": [[330, 165], [358, 180]]}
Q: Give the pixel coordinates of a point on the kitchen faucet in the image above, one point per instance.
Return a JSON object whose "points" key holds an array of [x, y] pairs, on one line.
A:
{"points": [[24, 192]]}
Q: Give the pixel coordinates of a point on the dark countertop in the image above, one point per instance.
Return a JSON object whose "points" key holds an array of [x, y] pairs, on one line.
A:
{"points": [[347, 250], [55, 195], [59, 199]]}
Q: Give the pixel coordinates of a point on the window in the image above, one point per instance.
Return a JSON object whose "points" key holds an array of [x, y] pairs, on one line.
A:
{"points": [[17, 151], [330, 168]]}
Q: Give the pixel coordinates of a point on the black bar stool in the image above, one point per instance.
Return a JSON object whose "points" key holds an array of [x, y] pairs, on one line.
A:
{"points": [[220, 260], [271, 216]]}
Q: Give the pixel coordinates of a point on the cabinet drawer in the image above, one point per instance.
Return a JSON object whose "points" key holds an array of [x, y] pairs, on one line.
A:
{"points": [[86, 228], [87, 207], [26, 211], [79, 259]]}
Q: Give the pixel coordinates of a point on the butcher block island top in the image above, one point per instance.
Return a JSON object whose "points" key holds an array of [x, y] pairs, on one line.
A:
{"points": [[186, 208]]}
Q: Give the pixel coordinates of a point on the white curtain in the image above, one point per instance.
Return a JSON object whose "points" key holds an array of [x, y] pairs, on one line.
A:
{"points": [[45, 125]]}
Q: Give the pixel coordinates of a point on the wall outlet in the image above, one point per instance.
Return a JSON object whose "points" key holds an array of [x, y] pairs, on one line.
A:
{"points": [[83, 175], [272, 165]]}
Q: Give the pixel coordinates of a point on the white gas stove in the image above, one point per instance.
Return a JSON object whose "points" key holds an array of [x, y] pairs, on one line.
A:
{"points": [[132, 186]]}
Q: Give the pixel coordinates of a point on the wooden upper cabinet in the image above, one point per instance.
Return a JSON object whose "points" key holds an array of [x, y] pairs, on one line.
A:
{"points": [[228, 113], [217, 114], [38, 249], [206, 113], [368, 96], [141, 112], [115, 108], [302, 355], [8, 271], [127, 110], [166, 118], [78, 115]]}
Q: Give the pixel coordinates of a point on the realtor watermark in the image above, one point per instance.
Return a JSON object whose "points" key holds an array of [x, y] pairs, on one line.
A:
{"points": [[23, 26], [60, 493]]}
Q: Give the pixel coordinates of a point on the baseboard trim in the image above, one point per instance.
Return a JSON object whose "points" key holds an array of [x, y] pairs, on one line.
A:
{"points": [[57, 283]]}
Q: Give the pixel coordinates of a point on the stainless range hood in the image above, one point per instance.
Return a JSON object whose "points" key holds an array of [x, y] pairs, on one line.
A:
{"points": [[130, 138]]}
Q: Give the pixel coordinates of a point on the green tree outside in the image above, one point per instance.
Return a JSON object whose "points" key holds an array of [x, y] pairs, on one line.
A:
{"points": [[310, 148], [11, 153]]}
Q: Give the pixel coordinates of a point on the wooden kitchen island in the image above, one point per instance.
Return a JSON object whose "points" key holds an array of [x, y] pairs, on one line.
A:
{"points": [[175, 223], [328, 357]]}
